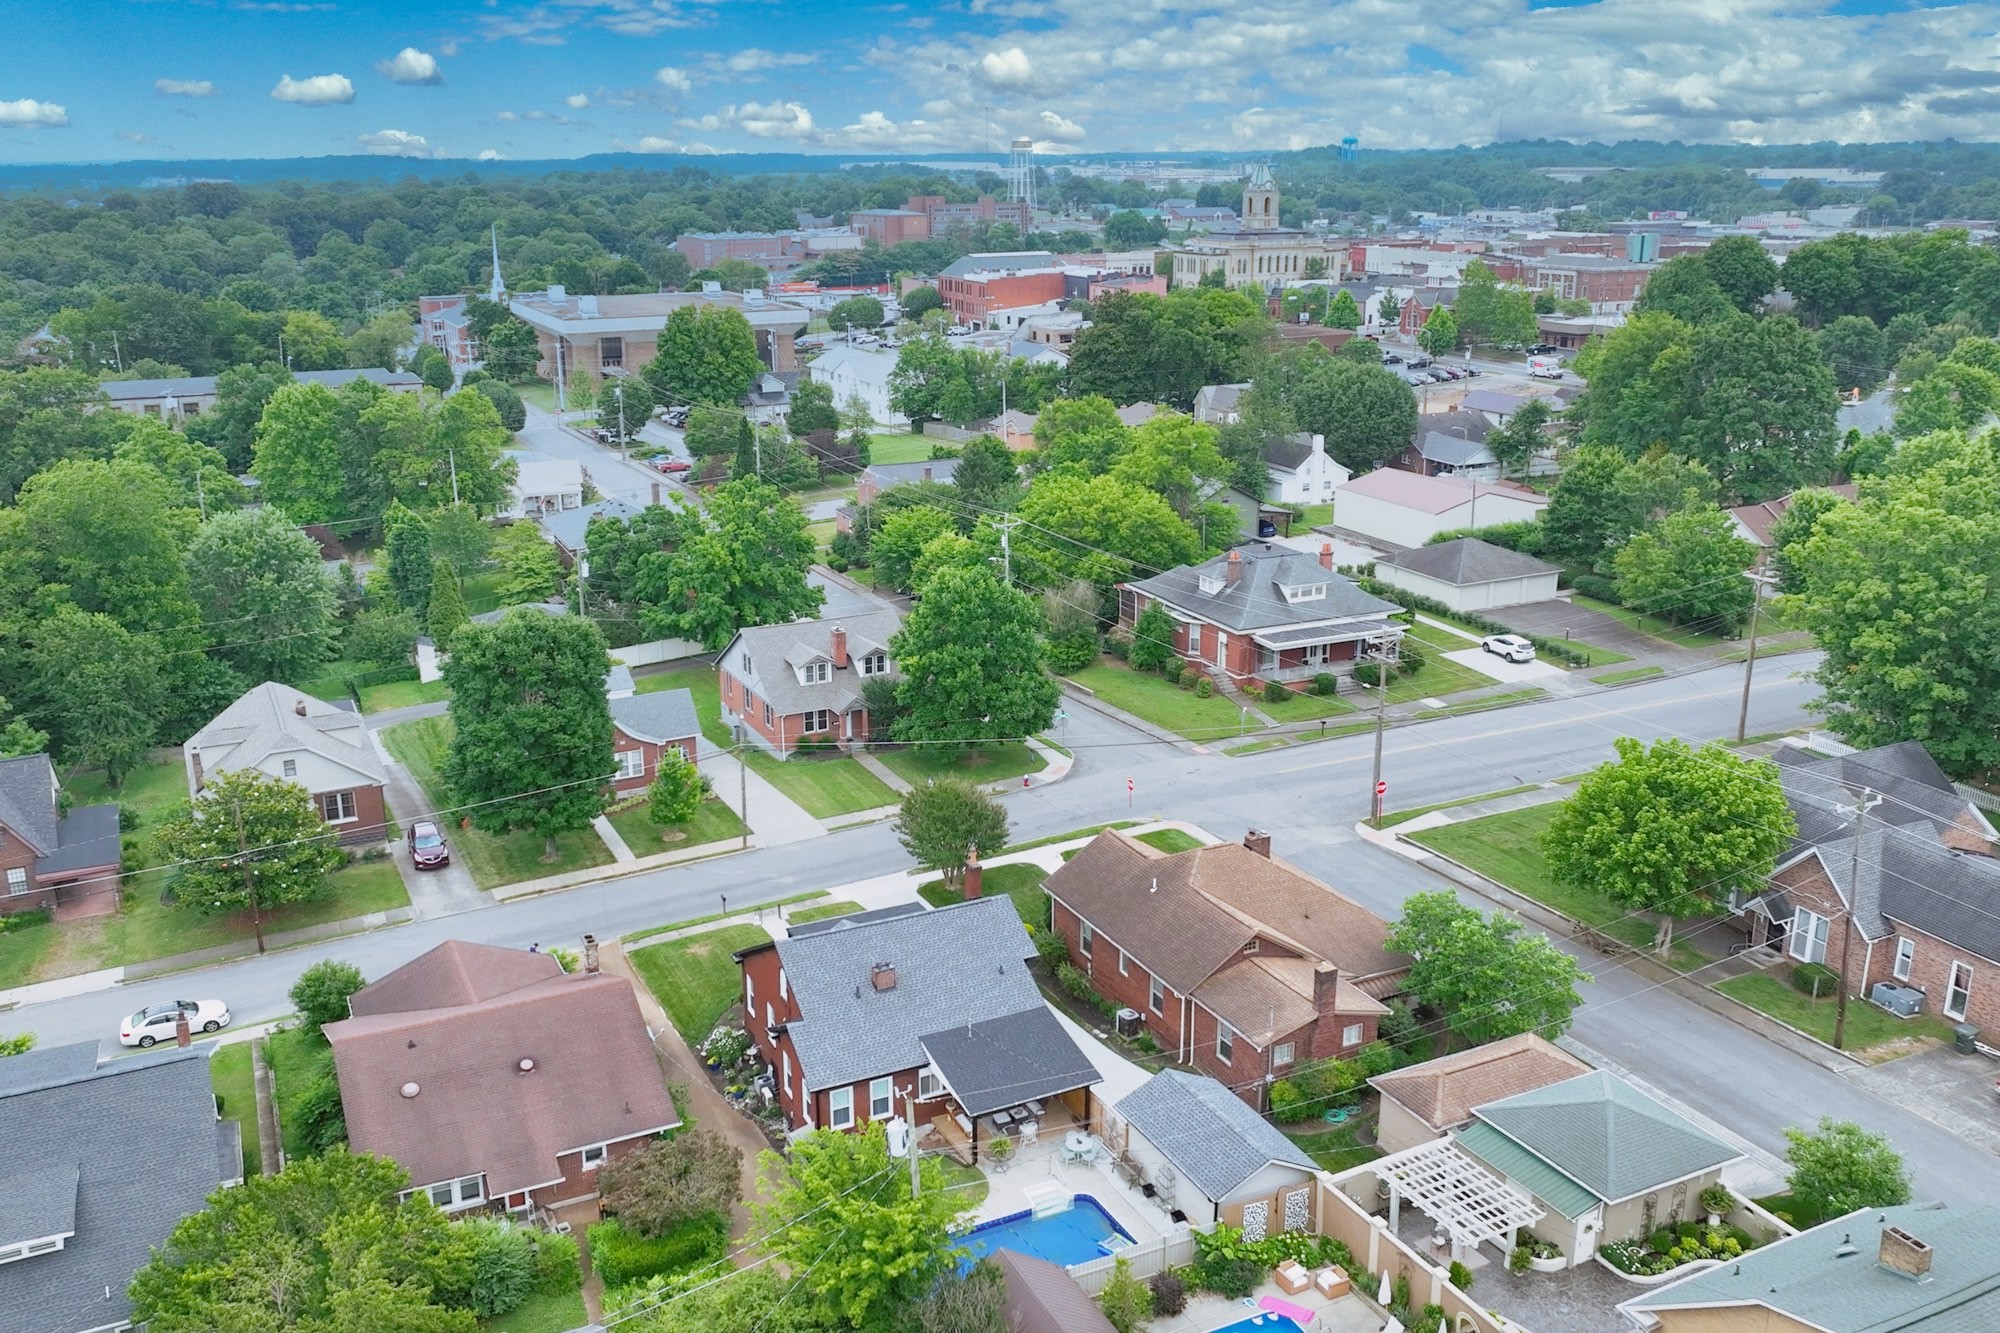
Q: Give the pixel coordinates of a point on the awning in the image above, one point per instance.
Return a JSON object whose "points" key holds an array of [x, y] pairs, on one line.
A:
{"points": [[1305, 634], [1471, 1202], [1003, 1062], [1771, 905]]}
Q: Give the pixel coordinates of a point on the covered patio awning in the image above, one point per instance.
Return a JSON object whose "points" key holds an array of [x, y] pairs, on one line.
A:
{"points": [[1003, 1062], [1307, 634], [1461, 1194], [1770, 905]]}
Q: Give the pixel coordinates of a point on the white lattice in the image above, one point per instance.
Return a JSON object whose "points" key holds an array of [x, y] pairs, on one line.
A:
{"points": [[1256, 1217], [1298, 1209]]}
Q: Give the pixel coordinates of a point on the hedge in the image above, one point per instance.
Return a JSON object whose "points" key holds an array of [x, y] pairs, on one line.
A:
{"points": [[387, 675], [1557, 649], [1815, 979], [620, 1256]]}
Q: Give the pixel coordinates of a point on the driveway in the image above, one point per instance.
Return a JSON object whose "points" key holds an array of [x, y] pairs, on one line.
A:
{"points": [[1954, 1092], [433, 893], [774, 817], [1561, 618], [1498, 667]]}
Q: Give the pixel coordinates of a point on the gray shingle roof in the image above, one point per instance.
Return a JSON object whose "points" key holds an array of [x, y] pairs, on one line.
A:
{"points": [[86, 836], [1003, 1062], [41, 1202], [1254, 601], [959, 964], [270, 718], [568, 527], [1286, 452], [775, 650], [1474, 424], [1468, 560], [1210, 1134], [1455, 451], [202, 385], [666, 715], [27, 800], [1532, 1173], [853, 920], [1494, 401], [939, 470], [1606, 1135], [69, 1126]]}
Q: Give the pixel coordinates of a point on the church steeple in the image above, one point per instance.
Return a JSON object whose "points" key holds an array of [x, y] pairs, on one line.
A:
{"points": [[496, 289], [1260, 198]]}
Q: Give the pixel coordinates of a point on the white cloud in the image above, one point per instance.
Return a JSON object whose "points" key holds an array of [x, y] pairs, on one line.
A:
{"points": [[1006, 69], [752, 59], [134, 136], [1060, 129], [395, 143], [673, 80], [544, 24], [27, 113], [319, 90], [448, 49], [490, 155], [410, 65], [183, 87], [507, 115], [654, 143], [761, 120], [577, 101]]}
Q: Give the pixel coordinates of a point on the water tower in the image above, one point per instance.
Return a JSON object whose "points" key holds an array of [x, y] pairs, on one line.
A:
{"points": [[1350, 148], [1021, 172]]}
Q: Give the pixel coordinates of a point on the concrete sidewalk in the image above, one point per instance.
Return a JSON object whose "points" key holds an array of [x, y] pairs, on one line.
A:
{"points": [[775, 817]]}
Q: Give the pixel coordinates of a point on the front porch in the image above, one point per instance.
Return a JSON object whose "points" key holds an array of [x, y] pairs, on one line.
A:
{"points": [[1316, 650]]}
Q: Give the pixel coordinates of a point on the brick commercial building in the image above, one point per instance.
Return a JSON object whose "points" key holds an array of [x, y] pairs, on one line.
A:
{"points": [[1236, 962], [942, 215], [595, 335], [890, 226], [788, 683], [779, 253], [1611, 283]]}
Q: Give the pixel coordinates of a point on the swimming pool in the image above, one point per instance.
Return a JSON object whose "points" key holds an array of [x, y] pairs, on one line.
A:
{"points": [[1263, 1323], [1073, 1236]]}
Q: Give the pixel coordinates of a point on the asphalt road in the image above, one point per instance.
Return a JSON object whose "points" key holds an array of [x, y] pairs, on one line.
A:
{"points": [[1309, 798], [623, 479]]}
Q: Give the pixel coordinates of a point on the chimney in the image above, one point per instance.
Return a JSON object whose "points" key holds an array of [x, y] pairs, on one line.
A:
{"points": [[838, 639], [1326, 980], [883, 976], [1903, 1253], [974, 874], [182, 1037], [300, 708], [590, 954], [1326, 555], [1258, 841], [1234, 566], [656, 492]]}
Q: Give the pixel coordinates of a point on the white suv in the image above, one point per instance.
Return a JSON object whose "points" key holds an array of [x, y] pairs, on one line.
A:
{"points": [[1510, 646]]}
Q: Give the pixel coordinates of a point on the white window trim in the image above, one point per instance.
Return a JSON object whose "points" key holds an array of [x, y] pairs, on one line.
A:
{"points": [[929, 1086], [17, 879], [1351, 1034], [1284, 1053], [288, 768], [627, 768], [1906, 955], [1085, 938], [460, 1199], [349, 800], [595, 1155], [838, 1100], [882, 1090], [785, 1062], [1225, 1042], [1951, 984], [1124, 964], [1800, 939], [1156, 995], [39, 1245]]}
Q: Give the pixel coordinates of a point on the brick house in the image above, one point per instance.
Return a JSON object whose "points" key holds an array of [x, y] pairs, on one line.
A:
{"points": [[803, 680], [286, 734], [879, 477], [867, 1017], [1238, 964], [643, 726], [496, 1079], [1907, 905], [1265, 611], [48, 855]]}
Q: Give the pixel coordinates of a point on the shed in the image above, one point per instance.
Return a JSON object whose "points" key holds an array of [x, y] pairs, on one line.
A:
{"points": [[1221, 1152]]}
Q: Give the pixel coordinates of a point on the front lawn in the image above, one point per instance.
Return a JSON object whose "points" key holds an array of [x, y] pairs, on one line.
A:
{"points": [[1021, 882], [1338, 1149], [918, 764], [1171, 840], [1626, 677], [1146, 695], [236, 1092], [22, 947], [712, 822], [821, 911], [701, 683], [154, 791], [694, 978], [402, 694], [294, 1059], [899, 448], [1866, 1024], [544, 1312], [822, 788], [148, 928], [1685, 636]]}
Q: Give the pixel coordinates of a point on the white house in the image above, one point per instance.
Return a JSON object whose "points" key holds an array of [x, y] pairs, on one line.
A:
{"points": [[542, 485], [1469, 575], [859, 372], [1402, 509], [1302, 472]]}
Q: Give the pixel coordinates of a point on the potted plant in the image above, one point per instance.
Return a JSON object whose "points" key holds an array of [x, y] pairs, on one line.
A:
{"points": [[1000, 1150], [1717, 1200], [1518, 1261], [1544, 1256]]}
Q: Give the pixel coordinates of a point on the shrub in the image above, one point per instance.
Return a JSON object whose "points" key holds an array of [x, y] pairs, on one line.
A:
{"points": [[1400, 1292], [320, 994], [839, 565], [1071, 652], [1289, 1105], [318, 1118], [1326, 683], [1412, 657], [1717, 1199], [1251, 689], [1517, 1262], [128, 818], [1127, 1302], [1596, 585], [620, 1255], [1076, 981], [504, 1270], [556, 1266], [1053, 949], [1204, 688], [1401, 1030], [1169, 1294], [1815, 979], [667, 1183], [1368, 673], [1432, 1315], [1119, 644], [1460, 1276], [1232, 1278], [1173, 669]]}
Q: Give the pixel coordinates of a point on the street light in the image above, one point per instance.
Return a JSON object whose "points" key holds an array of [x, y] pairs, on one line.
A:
{"points": [[618, 391]]}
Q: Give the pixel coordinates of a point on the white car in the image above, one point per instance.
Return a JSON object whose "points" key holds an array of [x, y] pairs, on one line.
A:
{"points": [[1510, 646], [157, 1022]]}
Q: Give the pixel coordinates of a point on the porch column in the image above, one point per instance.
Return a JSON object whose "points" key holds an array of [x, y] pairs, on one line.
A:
{"points": [[1395, 1206]]}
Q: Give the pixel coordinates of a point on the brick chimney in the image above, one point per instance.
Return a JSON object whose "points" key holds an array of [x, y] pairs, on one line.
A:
{"points": [[974, 874], [883, 976], [1233, 567], [182, 1037], [300, 708], [590, 954], [1325, 1042], [1903, 1253], [1326, 555], [1258, 841], [838, 642]]}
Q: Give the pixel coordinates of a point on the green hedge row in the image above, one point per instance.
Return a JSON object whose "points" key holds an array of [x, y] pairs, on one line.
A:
{"points": [[621, 1256], [1553, 649]]}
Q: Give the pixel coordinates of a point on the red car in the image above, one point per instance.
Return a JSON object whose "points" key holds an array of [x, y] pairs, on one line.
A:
{"points": [[427, 846], [671, 465]]}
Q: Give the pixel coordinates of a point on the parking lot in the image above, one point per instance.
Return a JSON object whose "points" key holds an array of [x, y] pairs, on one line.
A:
{"points": [[1954, 1092]]}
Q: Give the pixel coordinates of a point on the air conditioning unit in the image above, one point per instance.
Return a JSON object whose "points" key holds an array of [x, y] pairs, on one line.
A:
{"points": [[1900, 1000], [1128, 1022]]}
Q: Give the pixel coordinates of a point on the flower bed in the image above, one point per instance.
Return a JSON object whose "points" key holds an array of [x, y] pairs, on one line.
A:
{"points": [[1667, 1248]]}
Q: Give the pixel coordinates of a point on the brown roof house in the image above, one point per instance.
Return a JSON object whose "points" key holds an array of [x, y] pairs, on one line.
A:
{"points": [[50, 856], [287, 734], [495, 1078], [1238, 963], [1423, 1102], [1042, 1298]]}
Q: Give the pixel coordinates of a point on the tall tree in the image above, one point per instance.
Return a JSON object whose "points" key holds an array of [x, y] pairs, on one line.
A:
{"points": [[250, 842], [971, 656], [1343, 312], [263, 594], [1489, 977], [1762, 413], [463, 458], [989, 475], [1685, 288], [1176, 458], [901, 538], [1670, 830], [1516, 441], [1367, 413], [1098, 528], [297, 463], [1840, 1167], [510, 351], [408, 547], [856, 312], [1689, 568], [1794, 527], [446, 614], [531, 741], [706, 355], [97, 689], [529, 567], [460, 537], [1743, 269], [1856, 351], [197, 474], [48, 415], [1439, 334], [741, 561], [112, 535], [241, 394]]}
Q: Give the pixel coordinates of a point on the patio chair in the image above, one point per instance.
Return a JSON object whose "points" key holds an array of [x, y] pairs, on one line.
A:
{"points": [[1292, 1277], [1030, 1133]]}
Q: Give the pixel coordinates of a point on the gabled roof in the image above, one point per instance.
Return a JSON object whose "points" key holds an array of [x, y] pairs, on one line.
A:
{"points": [[1473, 425], [1606, 1135], [776, 651], [886, 475], [1287, 452], [1494, 401], [568, 528], [271, 719], [1442, 1092], [1254, 600], [1042, 1298], [472, 1059], [28, 800], [1467, 560], [1429, 495], [665, 715], [1211, 1135], [1756, 521], [1455, 451]]}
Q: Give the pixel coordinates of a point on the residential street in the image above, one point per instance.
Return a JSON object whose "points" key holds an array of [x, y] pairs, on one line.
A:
{"points": [[627, 480], [1309, 797]]}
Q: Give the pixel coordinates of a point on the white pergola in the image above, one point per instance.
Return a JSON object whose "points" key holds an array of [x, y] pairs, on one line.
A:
{"points": [[1459, 1192]]}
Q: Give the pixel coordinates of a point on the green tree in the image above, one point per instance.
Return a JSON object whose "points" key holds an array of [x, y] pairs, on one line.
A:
{"points": [[1152, 638], [445, 614], [841, 1216], [1127, 1302], [461, 538], [17, 738], [241, 394], [531, 742], [1516, 441], [1176, 458], [1636, 384], [379, 343], [313, 342], [706, 355], [1366, 412], [1489, 313], [1439, 334], [1953, 396], [970, 653], [250, 842], [1763, 412], [1793, 528], [260, 585], [1098, 528], [507, 403], [972, 1302], [297, 465], [712, 430], [919, 301], [96, 689], [1856, 351], [462, 456], [1841, 1167], [1085, 432], [511, 350], [1686, 289], [1145, 348], [529, 567], [1743, 269], [437, 373], [856, 312], [1671, 830], [740, 561], [670, 1181], [1489, 977], [1343, 313], [625, 405], [112, 535], [18, 1044], [1365, 350], [1689, 569], [812, 409], [989, 475], [943, 822], [197, 474], [677, 789], [408, 546], [900, 539], [320, 994]]}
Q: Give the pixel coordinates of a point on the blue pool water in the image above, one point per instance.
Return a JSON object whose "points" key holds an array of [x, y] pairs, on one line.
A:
{"points": [[1069, 1237], [1263, 1323]]}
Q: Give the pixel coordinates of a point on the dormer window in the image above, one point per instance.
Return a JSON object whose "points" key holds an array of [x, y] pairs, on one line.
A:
{"points": [[875, 664], [1303, 592], [1211, 584], [816, 672]]}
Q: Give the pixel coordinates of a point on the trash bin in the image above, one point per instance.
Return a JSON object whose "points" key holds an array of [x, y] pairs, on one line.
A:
{"points": [[1965, 1039]]}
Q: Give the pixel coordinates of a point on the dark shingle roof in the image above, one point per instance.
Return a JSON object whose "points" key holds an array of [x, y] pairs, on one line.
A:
{"points": [[1255, 600], [1606, 1135], [1474, 424], [1209, 1133], [666, 715], [86, 836], [1288, 451], [853, 920], [1467, 560], [27, 800], [1042, 1298], [777, 653], [1005, 1061], [1455, 451]]}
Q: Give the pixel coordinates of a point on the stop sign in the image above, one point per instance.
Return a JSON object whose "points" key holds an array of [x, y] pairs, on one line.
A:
{"points": [[1381, 789]]}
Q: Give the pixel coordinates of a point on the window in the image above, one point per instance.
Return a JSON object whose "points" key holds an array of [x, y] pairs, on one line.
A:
{"points": [[1156, 995], [749, 994], [816, 672], [27, 1247], [1085, 938], [1303, 592], [1351, 1035], [1808, 936], [291, 768], [785, 1063], [929, 1085], [1225, 1041], [611, 351], [1123, 970], [818, 720], [594, 1155], [1906, 953], [770, 1015], [875, 664], [338, 807], [840, 1108], [746, 665], [1283, 1053], [461, 1193], [1210, 584], [1958, 992], [881, 1099], [770, 718], [17, 880], [631, 764], [784, 993]]}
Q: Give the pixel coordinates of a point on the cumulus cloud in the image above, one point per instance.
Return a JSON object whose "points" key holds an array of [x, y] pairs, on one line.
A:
{"points": [[654, 143], [1006, 69], [752, 59], [1060, 129], [507, 115], [394, 143], [577, 101], [490, 155], [673, 80], [134, 136], [27, 113], [183, 87], [410, 65], [761, 120], [319, 90]]}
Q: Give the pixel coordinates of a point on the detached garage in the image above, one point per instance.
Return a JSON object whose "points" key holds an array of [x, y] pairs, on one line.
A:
{"points": [[1469, 575], [1398, 509]]}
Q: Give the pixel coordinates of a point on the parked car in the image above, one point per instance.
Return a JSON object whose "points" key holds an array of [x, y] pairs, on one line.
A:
{"points": [[1391, 359], [672, 465], [1542, 349], [1510, 646], [1419, 362], [158, 1022], [427, 845]]}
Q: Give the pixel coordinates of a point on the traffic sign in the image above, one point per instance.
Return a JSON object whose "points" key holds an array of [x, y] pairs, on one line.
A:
{"points": [[1381, 789]]}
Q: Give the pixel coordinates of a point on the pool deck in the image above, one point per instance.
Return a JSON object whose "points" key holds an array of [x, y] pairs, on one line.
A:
{"points": [[1042, 1163], [1207, 1312]]}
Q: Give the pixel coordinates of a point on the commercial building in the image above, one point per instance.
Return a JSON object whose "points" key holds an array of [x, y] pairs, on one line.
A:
{"points": [[779, 253], [191, 395], [1260, 251], [598, 335]]}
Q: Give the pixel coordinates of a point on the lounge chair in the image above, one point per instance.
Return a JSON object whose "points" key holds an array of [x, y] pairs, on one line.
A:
{"points": [[1292, 1277]]}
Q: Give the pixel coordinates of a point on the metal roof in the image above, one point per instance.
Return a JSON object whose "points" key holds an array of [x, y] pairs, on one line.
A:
{"points": [[1525, 1169]]}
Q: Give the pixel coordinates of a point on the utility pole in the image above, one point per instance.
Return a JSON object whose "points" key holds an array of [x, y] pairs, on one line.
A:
{"points": [[119, 356], [1007, 526], [618, 391], [452, 455], [562, 399], [1756, 578], [910, 1115], [1863, 803], [1381, 660], [249, 880], [743, 788]]}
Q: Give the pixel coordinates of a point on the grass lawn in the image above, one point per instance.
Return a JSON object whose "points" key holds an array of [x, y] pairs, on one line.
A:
{"points": [[1653, 625], [401, 694], [1089, 832], [293, 1057], [1486, 701], [713, 822], [481, 593], [822, 911], [672, 926], [541, 1313], [707, 691], [1171, 840], [1866, 1025], [899, 448], [968, 1184], [1312, 516], [1152, 698], [493, 859], [1597, 656], [1436, 676], [539, 392], [1336, 1149], [148, 928], [693, 977], [823, 788], [1298, 707], [1022, 882], [21, 951], [236, 1088], [1402, 816], [330, 683], [918, 764], [1636, 673], [1787, 1209], [153, 791], [822, 532]]}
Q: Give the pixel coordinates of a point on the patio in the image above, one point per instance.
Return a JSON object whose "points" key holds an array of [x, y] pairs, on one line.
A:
{"points": [[1207, 1312], [1576, 1300], [1027, 1173]]}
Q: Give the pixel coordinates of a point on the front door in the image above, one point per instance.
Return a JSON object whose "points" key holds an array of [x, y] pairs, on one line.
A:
{"points": [[1221, 651]]}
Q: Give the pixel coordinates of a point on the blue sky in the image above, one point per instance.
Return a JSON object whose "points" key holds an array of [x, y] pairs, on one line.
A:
{"points": [[92, 80]]}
